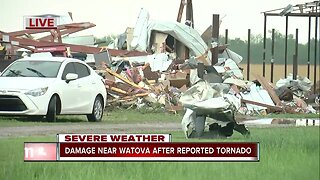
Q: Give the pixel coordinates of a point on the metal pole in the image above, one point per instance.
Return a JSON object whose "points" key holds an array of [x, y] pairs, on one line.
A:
{"points": [[315, 50], [181, 7], [248, 53], [226, 37], [295, 67], [296, 56], [189, 17], [309, 37], [286, 49], [264, 45], [215, 38], [272, 55], [189, 13]]}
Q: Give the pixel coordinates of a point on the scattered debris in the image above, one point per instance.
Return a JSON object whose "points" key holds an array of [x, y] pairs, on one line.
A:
{"points": [[168, 65], [210, 94], [299, 87]]}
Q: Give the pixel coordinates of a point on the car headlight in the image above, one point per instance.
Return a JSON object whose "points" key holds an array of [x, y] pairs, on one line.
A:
{"points": [[37, 92]]}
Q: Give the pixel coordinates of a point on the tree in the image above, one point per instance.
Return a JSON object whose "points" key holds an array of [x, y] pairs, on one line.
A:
{"points": [[256, 43]]}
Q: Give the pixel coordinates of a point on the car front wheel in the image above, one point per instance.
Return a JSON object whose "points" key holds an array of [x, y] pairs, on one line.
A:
{"points": [[52, 110], [97, 110]]}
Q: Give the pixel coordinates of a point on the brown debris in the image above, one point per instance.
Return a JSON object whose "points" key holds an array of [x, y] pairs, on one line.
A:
{"points": [[266, 85], [275, 108], [122, 78]]}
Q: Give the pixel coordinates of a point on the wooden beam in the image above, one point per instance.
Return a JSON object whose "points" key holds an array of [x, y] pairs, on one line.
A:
{"points": [[277, 108], [122, 78], [265, 84], [181, 7], [118, 90]]}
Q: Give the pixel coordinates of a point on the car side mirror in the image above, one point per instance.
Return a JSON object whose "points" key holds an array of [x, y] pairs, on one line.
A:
{"points": [[71, 77]]}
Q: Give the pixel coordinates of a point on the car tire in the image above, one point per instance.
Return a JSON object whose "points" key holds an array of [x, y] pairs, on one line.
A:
{"points": [[97, 110], [199, 125], [52, 110]]}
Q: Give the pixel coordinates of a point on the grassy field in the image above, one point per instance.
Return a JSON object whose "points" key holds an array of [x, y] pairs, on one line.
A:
{"points": [[128, 116], [285, 153]]}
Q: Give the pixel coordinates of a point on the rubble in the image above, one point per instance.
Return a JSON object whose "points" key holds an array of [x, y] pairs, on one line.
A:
{"points": [[211, 95], [299, 86]]}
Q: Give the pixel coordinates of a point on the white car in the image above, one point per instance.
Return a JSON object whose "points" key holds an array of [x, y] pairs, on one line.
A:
{"points": [[49, 86]]}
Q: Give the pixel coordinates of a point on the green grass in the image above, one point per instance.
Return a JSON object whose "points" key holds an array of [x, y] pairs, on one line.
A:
{"points": [[285, 153], [115, 116], [128, 116]]}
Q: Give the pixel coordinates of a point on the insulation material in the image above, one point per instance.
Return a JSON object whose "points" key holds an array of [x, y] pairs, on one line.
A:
{"points": [[220, 69], [140, 33], [229, 69], [187, 122], [158, 42], [194, 78], [232, 69], [238, 82], [159, 62], [233, 100], [258, 95], [228, 54], [183, 33], [201, 97], [213, 105], [129, 32], [199, 92]]}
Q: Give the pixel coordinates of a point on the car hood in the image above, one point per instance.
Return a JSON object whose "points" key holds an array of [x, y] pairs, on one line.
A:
{"points": [[24, 83]]}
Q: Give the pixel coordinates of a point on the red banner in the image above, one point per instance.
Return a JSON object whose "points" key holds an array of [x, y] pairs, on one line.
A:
{"points": [[159, 151]]}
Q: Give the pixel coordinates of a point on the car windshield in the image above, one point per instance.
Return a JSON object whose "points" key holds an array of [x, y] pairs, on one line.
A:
{"points": [[29, 68]]}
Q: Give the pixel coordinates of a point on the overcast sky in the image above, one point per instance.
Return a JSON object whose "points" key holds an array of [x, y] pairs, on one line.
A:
{"points": [[113, 16]]}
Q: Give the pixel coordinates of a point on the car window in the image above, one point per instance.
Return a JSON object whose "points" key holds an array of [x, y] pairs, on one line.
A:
{"points": [[33, 68], [82, 70], [69, 68]]}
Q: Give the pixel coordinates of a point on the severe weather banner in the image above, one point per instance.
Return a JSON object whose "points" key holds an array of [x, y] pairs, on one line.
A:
{"points": [[138, 147]]}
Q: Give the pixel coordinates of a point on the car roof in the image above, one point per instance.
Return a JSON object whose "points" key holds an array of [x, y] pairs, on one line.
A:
{"points": [[58, 59]]}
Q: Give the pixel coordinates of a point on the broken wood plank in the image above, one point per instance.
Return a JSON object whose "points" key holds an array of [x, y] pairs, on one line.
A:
{"points": [[203, 58], [117, 90], [276, 108], [137, 95], [265, 84], [122, 78], [235, 88]]}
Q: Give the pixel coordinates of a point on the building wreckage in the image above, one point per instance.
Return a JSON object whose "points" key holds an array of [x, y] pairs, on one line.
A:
{"points": [[169, 63]]}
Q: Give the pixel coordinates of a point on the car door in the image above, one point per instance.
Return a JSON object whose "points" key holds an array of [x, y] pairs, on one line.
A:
{"points": [[69, 91], [85, 88]]}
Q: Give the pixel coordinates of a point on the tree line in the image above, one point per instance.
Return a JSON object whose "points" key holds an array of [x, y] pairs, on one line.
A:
{"points": [[240, 46], [256, 49]]}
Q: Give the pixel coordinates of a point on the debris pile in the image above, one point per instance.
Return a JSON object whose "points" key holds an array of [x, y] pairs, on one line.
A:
{"points": [[135, 85], [178, 74]]}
